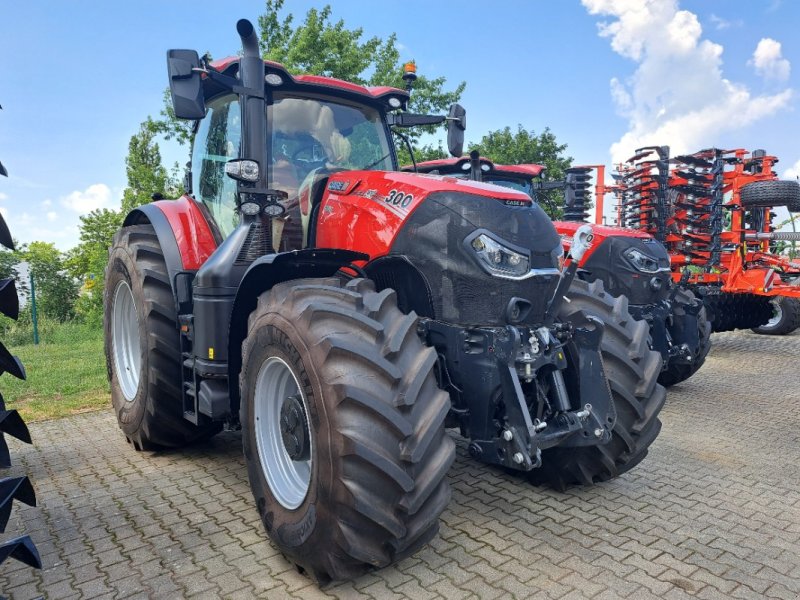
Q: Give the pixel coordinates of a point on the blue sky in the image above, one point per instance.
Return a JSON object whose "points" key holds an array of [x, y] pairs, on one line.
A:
{"points": [[77, 78]]}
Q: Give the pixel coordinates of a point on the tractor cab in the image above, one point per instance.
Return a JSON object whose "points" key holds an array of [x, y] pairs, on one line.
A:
{"points": [[315, 126]]}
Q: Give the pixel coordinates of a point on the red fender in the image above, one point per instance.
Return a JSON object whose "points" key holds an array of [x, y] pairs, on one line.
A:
{"points": [[196, 241]]}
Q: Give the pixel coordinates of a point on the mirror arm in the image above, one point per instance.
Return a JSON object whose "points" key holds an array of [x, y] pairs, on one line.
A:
{"points": [[231, 83]]}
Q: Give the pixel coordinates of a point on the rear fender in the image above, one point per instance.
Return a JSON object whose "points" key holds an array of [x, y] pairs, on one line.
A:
{"points": [[184, 234], [261, 276]]}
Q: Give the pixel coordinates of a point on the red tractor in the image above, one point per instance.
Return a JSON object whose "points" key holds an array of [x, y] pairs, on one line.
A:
{"points": [[628, 262], [343, 314]]}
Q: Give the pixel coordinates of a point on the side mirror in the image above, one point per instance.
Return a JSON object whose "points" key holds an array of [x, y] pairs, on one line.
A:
{"points": [[185, 84], [456, 124]]}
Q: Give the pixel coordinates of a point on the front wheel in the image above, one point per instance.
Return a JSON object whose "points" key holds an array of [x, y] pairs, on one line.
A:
{"points": [[631, 370], [343, 427]]}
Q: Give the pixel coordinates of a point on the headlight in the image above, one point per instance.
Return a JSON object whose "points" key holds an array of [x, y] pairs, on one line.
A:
{"points": [[498, 259], [643, 262]]}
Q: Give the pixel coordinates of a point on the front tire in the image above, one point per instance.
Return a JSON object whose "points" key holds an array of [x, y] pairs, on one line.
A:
{"points": [[142, 344], [353, 478], [632, 371]]}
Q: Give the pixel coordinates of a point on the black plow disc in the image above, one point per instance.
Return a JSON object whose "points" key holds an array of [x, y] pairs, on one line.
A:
{"points": [[14, 488], [23, 549], [12, 424], [11, 364], [5, 234], [9, 300]]}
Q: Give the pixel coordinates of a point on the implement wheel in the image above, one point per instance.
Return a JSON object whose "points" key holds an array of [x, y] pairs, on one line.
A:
{"points": [[785, 317], [771, 193]]}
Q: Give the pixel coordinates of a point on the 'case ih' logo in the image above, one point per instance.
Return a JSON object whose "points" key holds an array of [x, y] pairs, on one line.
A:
{"points": [[338, 186]]}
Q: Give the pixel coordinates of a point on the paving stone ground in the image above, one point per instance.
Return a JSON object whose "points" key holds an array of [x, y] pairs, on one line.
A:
{"points": [[713, 512]]}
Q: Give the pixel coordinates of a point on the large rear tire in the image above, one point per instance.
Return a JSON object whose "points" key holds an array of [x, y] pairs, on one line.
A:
{"points": [[676, 372], [785, 318], [632, 371], [343, 426], [142, 344]]}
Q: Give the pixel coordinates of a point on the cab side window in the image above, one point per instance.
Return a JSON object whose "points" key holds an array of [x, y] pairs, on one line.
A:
{"points": [[217, 141]]}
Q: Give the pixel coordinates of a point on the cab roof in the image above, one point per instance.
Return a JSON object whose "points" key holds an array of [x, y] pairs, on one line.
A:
{"points": [[318, 83], [460, 165]]}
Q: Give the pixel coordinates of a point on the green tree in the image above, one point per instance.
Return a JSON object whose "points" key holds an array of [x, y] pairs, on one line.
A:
{"points": [[87, 261], [505, 147], [426, 152], [320, 46], [56, 289], [146, 174], [9, 263]]}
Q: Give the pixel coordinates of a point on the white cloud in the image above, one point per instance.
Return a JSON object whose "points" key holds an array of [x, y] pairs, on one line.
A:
{"points": [[721, 23], [678, 94], [3, 196], [4, 212], [47, 203], [52, 216], [768, 60], [792, 172], [95, 196]]}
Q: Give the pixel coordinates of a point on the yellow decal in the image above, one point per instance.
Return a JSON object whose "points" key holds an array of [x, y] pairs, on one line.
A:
{"points": [[211, 354], [560, 356]]}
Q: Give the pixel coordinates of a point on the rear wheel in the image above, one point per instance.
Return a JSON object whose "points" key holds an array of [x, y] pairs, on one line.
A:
{"points": [[142, 344], [631, 370], [785, 317], [343, 426], [675, 371]]}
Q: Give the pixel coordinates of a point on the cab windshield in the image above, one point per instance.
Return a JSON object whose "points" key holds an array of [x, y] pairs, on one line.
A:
{"points": [[521, 185], [308, 133], [308, 136]]}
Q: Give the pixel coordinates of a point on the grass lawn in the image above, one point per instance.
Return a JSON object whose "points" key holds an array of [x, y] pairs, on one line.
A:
{"points": [[66, 375]]}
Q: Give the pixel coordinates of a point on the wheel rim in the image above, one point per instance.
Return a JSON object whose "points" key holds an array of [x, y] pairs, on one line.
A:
{"points": [[777, 314], [127, 347], [282, 435]]}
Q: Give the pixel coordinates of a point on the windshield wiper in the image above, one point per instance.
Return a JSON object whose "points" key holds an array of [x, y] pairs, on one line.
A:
{"points": [[375, 162]]}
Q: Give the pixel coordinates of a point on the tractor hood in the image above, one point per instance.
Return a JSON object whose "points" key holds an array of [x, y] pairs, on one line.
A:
{"points": [[444, 233]]}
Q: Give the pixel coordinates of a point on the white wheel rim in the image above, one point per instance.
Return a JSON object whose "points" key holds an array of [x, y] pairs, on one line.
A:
{"points": [[277, 394], [125, 341], [777, 314]]}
